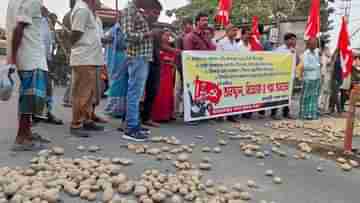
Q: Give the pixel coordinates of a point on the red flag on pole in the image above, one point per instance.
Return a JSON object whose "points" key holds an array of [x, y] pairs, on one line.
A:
{"points": [[255, 42], [223, 14], [313, 24], [345, 50]]}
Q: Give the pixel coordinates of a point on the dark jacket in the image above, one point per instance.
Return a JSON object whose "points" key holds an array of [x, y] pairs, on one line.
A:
{"points": [[338, 71]]}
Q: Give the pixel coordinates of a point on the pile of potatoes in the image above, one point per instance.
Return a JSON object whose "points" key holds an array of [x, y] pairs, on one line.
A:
{"points": [[92, 179]]}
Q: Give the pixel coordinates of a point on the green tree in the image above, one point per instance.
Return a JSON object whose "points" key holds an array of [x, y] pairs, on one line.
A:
{"points": [[196, 6]]}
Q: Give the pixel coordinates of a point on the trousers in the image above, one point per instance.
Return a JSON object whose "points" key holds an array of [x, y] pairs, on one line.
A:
{"points": [[84, 92], [138, 70]]}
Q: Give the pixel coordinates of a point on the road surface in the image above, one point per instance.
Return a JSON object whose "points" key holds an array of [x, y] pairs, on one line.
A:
{"points": [[302, 182]]}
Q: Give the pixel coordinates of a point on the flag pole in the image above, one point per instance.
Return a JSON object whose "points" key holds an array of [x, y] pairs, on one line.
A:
{"points": [[348, 139]]}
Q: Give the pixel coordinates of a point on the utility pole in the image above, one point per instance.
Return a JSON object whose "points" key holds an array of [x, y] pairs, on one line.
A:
{"points": [[348, 148]]}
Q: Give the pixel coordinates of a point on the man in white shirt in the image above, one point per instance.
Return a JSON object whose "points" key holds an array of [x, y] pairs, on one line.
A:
{"points": [[48, 39], [245, 39], [67, 99], [26, 51], [86, 57], [288, 47], [228, 43]]}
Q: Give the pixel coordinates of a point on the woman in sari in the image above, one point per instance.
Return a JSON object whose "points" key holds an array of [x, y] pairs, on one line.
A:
{"points": [[116, 58], [309, 102], [163, 107]]}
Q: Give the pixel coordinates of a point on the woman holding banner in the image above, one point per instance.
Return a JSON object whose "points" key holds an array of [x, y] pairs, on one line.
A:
{"points": [[164, 103]]}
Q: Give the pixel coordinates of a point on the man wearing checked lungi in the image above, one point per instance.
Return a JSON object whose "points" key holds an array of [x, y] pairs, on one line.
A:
{"points": [[26, 51]]}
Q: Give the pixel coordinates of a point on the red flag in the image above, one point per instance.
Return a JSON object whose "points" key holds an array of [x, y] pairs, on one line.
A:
{"points": [[223, 14], [255, 43], [313, 24], [345, 50], [207, 91]]}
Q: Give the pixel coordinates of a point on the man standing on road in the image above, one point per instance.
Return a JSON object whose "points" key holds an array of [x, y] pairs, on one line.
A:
{"points": [[67, 100], [153, 79], [310, 94], [48, 39], [187, 27], [246, 46], [228, 43], [26, 51], [288, 47], [86, 57], [198, 40], [140, 53]]}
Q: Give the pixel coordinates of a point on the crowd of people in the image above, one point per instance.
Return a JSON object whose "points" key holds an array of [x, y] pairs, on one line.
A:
{"points": [[144, 68]]}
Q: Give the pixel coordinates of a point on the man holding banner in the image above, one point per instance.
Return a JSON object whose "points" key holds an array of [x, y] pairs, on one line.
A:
{"points": [[288, 47], [309, 102], [229, 44], [197, 40]]}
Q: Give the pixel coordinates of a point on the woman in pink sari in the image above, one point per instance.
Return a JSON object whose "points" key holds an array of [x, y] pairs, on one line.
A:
{"points": [[163, 107]]}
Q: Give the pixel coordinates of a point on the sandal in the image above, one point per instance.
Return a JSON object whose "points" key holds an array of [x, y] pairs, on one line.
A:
{"points": [[37, 137]]}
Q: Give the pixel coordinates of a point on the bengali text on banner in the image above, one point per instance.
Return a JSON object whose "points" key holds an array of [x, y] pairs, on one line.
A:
{"points": [[220, 84]]}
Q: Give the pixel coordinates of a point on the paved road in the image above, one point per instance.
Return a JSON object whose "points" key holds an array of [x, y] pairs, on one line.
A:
{"points": [[302, 183]]}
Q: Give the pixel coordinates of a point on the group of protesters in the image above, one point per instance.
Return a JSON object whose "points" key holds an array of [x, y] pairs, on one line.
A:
{"points": [[143, 65]]}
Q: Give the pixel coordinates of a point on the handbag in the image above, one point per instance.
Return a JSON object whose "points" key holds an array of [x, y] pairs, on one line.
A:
{"points": [[7, 83]]}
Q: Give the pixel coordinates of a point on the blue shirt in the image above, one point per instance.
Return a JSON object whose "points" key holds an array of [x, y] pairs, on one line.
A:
{"points": [[283, 49], [312, 65]]}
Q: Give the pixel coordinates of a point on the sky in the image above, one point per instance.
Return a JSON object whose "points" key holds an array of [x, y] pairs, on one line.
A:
{"points": [[60, 7]]}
